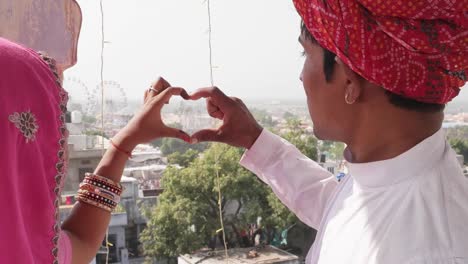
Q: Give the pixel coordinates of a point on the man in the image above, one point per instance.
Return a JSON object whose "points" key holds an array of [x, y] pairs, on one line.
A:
{"points": [[376, 76]]}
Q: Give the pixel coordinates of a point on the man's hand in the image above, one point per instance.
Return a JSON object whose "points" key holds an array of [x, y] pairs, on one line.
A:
{"points": [[239, 128]]}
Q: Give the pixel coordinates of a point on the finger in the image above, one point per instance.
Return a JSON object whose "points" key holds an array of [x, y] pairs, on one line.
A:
{"points": [[218, 97], [166, 95], [175, 133], [207, 135], [160, 85], [213, 110], [145, 98]]}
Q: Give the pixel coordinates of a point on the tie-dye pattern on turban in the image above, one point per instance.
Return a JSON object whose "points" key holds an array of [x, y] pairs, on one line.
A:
{"points": [[414, 48]]}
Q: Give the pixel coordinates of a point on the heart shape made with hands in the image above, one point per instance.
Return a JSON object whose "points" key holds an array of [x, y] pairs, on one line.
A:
{"points": [[237, 128], [188, 115]]}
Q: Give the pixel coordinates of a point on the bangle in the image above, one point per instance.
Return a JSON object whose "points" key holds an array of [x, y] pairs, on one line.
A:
{"points": [[128, 153], [100, 192], [93, 203], [103, 182]]}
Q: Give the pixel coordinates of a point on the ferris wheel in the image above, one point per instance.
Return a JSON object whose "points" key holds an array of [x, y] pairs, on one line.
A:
{"points": [[80, 93], [115, 97]]}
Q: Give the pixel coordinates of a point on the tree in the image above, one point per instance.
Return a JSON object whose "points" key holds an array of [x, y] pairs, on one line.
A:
{"points": [[187, 217], [461, 147], [460, 132], [458, 139], [299, 137], [263, 118], [183, 159], [288, 115], [172, 145]]}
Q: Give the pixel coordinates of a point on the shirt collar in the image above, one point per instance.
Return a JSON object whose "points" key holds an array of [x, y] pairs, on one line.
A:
{"points": [[392, 171]]}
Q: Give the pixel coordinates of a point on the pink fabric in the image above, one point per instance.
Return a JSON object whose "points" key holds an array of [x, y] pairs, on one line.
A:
{"points": [[299, 182], [31, 161], [65, 250]]}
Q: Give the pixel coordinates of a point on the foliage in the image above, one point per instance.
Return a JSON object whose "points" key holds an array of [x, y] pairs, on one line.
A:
{"points": [[299, 137], [187, 215], [183, 159], [96, 133], [288, 116], [334, 150], [172, 145], [187, 219], [460, 132], [458, 138], [263, 118], [461, 147]]}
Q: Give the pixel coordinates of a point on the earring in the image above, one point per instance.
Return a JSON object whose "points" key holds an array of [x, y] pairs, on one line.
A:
{"points": [[350, 102]]}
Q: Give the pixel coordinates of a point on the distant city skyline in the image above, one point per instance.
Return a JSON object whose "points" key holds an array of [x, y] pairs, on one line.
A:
{"points": [[255, 48]]}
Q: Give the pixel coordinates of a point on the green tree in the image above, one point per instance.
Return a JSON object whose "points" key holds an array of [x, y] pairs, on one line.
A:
{"points": [[187, 215], [460, 132], [461, 147], [299, 137], [183, 159], [288, 115], [172, 145]]}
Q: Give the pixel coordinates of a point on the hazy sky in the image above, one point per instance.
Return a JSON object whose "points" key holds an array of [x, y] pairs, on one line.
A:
{"points": [[255, 46]]}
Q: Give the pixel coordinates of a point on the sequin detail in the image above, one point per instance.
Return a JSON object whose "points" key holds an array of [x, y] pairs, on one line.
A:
{"points": [[26, 122]]}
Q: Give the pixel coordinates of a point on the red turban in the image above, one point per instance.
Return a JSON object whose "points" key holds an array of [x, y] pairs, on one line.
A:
{"points": [[414, 48]]}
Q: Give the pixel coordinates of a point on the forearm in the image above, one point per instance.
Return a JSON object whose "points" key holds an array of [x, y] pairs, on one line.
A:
{"points": [[87, 224], [300, 183]]}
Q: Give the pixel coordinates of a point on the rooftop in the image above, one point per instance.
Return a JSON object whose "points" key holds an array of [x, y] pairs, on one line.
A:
{"points": [[267, 254]]}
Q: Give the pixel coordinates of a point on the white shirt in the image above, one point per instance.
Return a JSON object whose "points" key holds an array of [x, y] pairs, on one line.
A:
{"points": [[411, 209]]}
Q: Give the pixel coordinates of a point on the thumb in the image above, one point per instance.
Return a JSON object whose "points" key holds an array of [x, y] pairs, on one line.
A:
{"points": [[175, 133], [206, 135]]}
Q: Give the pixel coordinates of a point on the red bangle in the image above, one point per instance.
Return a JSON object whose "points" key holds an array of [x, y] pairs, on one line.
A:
{"points": [[128, 153]]}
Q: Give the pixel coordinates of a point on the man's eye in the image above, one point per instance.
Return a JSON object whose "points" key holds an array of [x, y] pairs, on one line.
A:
{"points": [[303, 53]]}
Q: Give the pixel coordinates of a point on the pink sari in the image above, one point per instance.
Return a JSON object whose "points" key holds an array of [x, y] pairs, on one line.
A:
{"points": [[32, 158]]}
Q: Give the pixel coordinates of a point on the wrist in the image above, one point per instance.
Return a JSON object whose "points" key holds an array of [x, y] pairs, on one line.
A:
{"points": [[256, 131], [124, 141]]}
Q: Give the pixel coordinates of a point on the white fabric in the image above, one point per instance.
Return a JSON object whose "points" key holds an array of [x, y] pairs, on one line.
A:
{"points": [[411, 209]]}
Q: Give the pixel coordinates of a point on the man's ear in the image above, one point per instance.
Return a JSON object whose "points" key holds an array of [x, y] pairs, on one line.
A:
{"points": [[353, 87]]}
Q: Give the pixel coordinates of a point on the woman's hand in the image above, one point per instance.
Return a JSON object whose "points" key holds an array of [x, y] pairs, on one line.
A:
{"points": [[147, 124]]}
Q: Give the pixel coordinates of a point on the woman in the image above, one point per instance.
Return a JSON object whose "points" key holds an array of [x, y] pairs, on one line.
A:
{"points": [[34, 157]]}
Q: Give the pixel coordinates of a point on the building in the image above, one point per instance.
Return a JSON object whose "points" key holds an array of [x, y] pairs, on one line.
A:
{"points": [[264, 255], [84, 156]]}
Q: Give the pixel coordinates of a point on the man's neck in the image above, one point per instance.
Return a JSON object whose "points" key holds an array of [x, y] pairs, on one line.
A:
{"points": [[381, 138]]}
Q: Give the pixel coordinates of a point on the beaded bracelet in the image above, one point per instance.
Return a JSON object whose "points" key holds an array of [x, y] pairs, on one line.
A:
{"points": [[100, 192], [100, 198], [97, 190], [94, 203], [103, 182]]}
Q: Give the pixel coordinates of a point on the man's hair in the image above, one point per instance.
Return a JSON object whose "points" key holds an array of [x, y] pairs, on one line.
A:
{"points": [[394, 99]]}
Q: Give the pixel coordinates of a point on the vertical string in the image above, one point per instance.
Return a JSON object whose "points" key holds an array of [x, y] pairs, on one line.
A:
{"points": [[218, 180], [209, 42], [102, 105]]}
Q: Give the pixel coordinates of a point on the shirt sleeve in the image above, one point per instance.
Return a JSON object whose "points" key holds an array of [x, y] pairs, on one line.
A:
{"points": [[65, 249], [299, 182]]}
